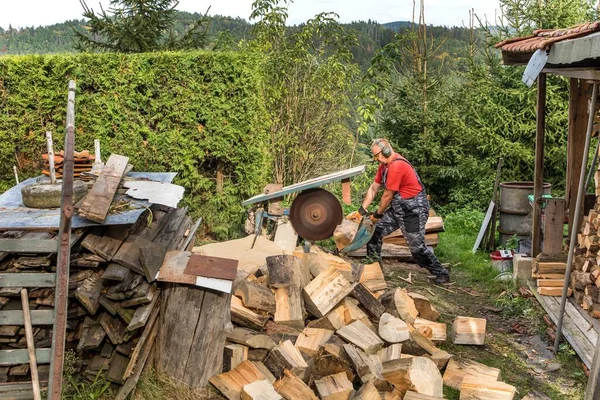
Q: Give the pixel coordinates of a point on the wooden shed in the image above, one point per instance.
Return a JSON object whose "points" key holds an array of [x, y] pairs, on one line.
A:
{"points": [[573, 53]]}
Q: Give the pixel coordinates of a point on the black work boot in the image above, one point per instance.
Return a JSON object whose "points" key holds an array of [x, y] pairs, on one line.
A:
{"points": [[441, 279]]}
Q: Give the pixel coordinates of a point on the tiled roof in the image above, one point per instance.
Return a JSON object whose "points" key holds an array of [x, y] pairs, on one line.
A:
{"points": [[544, 38]]}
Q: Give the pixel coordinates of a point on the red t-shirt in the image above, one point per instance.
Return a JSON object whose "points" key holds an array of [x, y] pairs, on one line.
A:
{"points": [[401, 177]]}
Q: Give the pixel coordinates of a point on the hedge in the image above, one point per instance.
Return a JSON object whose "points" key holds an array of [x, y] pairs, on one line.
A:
{"points": [[190, 113]]}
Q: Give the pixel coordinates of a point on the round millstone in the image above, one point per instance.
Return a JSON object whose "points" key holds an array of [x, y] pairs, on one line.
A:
{"points": [[47, 195]]}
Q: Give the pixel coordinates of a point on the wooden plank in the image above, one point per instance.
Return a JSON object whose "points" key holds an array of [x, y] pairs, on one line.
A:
{"points": [[538, 175], [38, 317], [33, 279], [30, 244], [97, 202], [553, 226], [211, 267], [21, 356], [578, 340]]}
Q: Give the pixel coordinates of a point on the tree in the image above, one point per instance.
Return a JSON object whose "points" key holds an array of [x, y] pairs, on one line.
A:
{"points": [[137, 26]]}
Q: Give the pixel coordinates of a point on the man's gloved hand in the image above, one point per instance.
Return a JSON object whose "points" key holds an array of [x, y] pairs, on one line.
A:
{"points": [[375, 217], [357, 215]]}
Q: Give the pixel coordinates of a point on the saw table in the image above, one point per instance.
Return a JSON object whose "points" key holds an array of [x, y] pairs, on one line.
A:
{"points": [[315, 212]]}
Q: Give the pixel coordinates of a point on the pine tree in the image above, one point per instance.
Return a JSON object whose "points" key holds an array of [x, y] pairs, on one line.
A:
{"points": [[137, 26]]}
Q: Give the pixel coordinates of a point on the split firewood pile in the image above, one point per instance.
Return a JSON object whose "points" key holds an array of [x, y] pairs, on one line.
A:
{"points": [[311, 325], [113, 297]]}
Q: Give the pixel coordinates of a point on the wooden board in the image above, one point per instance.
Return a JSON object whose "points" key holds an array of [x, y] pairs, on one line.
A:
{"points": [[97, 202], [484, 226], [553, 226], [211, 267]]}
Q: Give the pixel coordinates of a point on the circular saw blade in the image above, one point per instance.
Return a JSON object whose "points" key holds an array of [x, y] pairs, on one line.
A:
{"points": [[315, 213]]}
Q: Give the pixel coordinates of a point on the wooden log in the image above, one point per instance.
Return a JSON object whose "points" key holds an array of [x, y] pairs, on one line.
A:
{"points": [[260, 390], [289, 308], [256, 296], [367, 366], [90, 291], [431, 239], [231, 383], [476, 388], [392, 352], [287, 270], [245, 317], [292, 388], [424, 307], [331, 359], [344, 233], [334, 387], [347, 312], [250, 338], [594, 310], [418, 374], [372, 277], [458, 368], [405, 306], [234, 355], [410, 395], [466, 330], [311, 339], [186, 353], [553, 291], [325, 291], [286, 356], [438, 329], [368, 301], [96, 203], [392, 329], [593, 291], [360, 335], [367, 391]]}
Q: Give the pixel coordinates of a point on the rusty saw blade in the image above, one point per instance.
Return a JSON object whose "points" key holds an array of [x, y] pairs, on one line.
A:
{"points": [[315, 213]]}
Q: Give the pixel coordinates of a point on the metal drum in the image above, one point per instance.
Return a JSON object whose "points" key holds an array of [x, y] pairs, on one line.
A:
{"points": [[515, 210]]}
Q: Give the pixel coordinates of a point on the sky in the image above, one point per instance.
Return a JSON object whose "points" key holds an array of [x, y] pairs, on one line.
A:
{"points": [[26, 13]]}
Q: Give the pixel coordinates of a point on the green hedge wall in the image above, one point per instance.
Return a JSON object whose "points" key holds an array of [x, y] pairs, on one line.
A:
{"points": [[184, 112]]}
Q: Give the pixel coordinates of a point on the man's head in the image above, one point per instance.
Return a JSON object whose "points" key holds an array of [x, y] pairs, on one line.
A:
{"points": [[382, 151]]}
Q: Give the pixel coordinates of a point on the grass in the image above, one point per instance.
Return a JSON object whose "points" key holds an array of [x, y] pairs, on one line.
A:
{"points": [[156, 386]]}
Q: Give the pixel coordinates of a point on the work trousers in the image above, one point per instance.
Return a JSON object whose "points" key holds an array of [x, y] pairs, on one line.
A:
{"points": [[410, 216]]}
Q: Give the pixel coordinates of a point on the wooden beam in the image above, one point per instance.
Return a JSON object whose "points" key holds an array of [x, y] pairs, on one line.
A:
{"points": [[575, 73], [538, 176], [553, 226], [592, 391]]}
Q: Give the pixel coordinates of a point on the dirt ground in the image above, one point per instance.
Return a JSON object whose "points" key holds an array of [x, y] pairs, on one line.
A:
{"points": [[517, 345]]}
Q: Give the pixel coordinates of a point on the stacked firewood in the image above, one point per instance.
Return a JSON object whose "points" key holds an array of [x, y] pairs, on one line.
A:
{"points": [[549, 274], [113, 297], [311, 325]]}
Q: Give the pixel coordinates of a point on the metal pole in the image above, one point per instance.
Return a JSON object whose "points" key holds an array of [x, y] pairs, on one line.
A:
{"points": [[64, 255], [50, 147], [577, 215], [592, 167]]}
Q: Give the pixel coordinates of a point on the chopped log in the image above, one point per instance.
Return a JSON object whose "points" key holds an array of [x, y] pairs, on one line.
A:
{"points": [[593, 291], [250, 338], [289, 308], [587, 303], [392, 329], [418, 396], [318, 262], [466, 330], [433, 224], [421, 341], [286, 270], [115, 329], [476, 388], [579, 280], [292, 388], [117, 366], [367, 366], [334, 387], [440, 358], [458, 368], [260, 390], [438, 329], [279, 332], [286, 356], [346, 313], [231, 383], [96, 203], [257, 354], [405, 306], [552, 291], [424, 307], [245, 317], [368, 391], [90, 291], [311, 339], [431, 239], [322, 323], [325, 291], [392, 352], [368, 301], [234, 355], [344, 233], [418, 374], [256, 296], [372, 277], [331, 359], [594, 310], [359, 334]]}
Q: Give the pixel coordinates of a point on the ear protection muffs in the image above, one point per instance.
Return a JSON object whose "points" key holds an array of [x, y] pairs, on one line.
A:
{"points": [[385, 150]]}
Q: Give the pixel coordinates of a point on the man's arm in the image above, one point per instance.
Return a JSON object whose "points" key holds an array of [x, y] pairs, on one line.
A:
{"points": [[371, 193], [386, 199]]}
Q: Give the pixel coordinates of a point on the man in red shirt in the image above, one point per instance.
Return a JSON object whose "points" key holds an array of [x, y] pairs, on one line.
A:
{"points": [[408, 209]]}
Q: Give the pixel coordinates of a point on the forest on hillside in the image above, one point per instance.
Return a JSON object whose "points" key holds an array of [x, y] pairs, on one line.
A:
{"points": [[441, 95]]}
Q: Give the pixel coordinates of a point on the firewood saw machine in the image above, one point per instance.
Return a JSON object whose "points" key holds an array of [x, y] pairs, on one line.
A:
{"points": [[315, 212]]}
